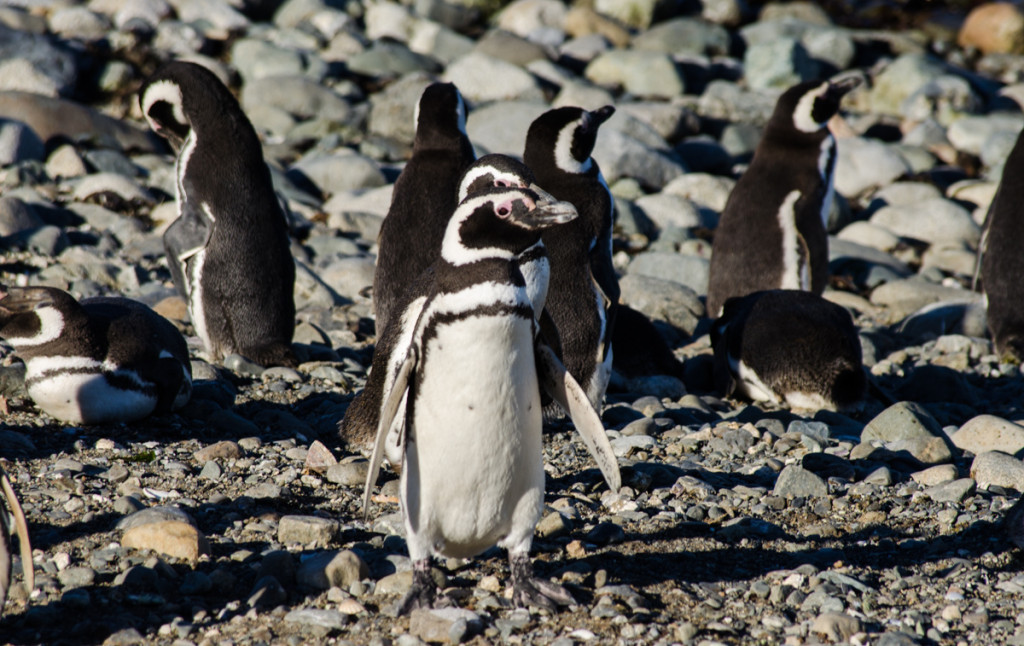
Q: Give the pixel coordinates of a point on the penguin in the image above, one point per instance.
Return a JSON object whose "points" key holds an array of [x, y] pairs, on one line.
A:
{"points": [[25, 545], [469, 389], [423, 197], [228, 250], [584, 290], [359, 424], [1000, 263], [771, 234], [102, 360], [788, 345]]}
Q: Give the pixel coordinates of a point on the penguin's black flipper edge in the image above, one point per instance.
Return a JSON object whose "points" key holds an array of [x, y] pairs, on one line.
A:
{"points": [[565, 390], [184, 238], [21, 528], [387, 416]]}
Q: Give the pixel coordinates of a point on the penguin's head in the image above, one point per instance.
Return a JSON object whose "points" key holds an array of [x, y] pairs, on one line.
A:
{"points": [[495, 170], [565, 137], [31, 316], [811, 105], [181, 94], [501, 222], [440, 115]]}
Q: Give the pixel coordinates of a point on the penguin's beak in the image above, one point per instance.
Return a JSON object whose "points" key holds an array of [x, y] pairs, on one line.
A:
{"points": [[602, 114], [548, 211], [839, 88]]}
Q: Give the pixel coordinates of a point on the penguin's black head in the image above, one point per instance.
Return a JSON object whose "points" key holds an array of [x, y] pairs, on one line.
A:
{"points": [[809, 106], [495, 170], [564, 137], [33, 315], [440, 115], [181, 94], [501, 222]]}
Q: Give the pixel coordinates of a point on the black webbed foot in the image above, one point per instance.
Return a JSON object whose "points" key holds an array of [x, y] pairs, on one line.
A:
{"points": [[528, 590], [423, 593]]}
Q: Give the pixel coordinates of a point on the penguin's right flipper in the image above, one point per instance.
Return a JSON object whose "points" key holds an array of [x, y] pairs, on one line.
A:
{"points": [[387, 416], [184, 238], [565, 390], [21, 527]]}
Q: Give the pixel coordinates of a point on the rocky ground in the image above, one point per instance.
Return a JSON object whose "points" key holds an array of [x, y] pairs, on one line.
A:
{"points": [[238, 520]]}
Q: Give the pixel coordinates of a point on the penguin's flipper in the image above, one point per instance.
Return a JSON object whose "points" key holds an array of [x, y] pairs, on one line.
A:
{"points": [[184, 238], [565, 390], [21, 527], [387, 416]]}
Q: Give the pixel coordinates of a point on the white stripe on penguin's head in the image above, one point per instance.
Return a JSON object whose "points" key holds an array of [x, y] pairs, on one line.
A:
{"points": [[803, 114], [564, 158], [167, 92], [453, 250]]}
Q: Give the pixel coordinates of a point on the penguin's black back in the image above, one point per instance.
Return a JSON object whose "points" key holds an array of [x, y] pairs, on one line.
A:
{"points": [[423, 199]]}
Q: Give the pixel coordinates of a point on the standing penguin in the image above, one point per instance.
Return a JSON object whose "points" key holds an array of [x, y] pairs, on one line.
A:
{"points": [[228, 250], [20, 527], [473, 473], [104, 360], [772, 231], [359, 425], [584, 290], [789, 345], [423, 197], [1001, 263]]}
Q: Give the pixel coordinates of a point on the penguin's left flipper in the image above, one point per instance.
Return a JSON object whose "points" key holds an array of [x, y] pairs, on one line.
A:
{"points": [[565, 390], [187, 236], [387, 416], [21, 527]]}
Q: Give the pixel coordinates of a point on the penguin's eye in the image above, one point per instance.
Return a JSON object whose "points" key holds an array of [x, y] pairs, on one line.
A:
{"points": [[503, 210], [502, 182]]}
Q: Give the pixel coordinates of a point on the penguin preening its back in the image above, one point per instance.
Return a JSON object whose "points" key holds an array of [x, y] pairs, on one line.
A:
{"points": [[468, 388], [424, 197], [772, 231], [1001, 263], [102, 360], [359, 425], [584, 290], [228, 250], [788, 345]]}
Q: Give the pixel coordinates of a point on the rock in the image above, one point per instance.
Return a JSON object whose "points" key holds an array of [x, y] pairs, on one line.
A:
{"points": [[482, 78], [622, 155], [795, 481], [684, 36], [687, 270], [552, 525], [395, 584], [954, 492], [267, 592], [836, 626], [667, 210], [935, 220], [642, 73], [990, 433], [863, 164], [346, 171], [937, 475], [311, 531], [223, 450], [300, 96], [317, 618], [18, 143], [663, 300], [994, 28], [154, 515], [778, 64], [710, 191], [438, 625], [16, 216], [173, 538], [899, 80], [332, 569], [526, 16], [349, 474], [582, 21], [1000, 469], [902, 421]]}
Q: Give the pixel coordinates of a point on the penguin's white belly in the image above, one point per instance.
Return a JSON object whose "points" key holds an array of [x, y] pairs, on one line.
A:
{"points": [[473, 466], [750, 383], [196, 310], [75, 390], [599, 379]]}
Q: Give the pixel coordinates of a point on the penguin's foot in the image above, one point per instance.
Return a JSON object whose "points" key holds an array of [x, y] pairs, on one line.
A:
{"points": [[423, 593], [528, 590]]}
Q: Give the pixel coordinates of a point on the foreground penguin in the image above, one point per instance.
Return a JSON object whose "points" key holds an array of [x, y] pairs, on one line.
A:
{"points": [[423, 197], [228, 250], [104, 360], [25, 547], [1001, 262], [469, 384], [788, 345], [772, 231], [358, 427], [584, 290]]}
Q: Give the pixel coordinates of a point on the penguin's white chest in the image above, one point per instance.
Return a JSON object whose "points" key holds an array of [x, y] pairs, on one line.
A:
{"points": [[85, 391], [196, 309], [473, 465]]}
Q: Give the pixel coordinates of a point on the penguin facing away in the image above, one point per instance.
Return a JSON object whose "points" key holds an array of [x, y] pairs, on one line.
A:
{"points": [[771, 234], [789, 345], [359, 425], [103, 360], [24, 544], [469, 385], [1001, 264], [424, 197], [228, 250], [584, 290]]}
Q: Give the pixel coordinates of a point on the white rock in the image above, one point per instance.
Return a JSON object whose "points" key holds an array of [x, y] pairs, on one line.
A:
{"points": [[865, 163], [483, 78]]}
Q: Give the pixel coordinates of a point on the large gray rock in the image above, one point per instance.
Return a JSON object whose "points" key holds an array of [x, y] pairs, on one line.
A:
{"points": [[778, 64], [483, 78], [862, 164], [1000, 469], [663, 300], [343, 170], [899, 80], [35, 63], [684, 36], [795, 481], [393, 108], [621, 155], [515, 118], [641, 73], [990, 433], [300, 96], [932, 220], [684, 269]]}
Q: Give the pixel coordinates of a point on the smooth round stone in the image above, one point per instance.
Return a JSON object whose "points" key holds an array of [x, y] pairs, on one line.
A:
{"points": [[116, 183], [995, 468], [638, 14], [510, 48], [795, 481], [585, 48], [899, 80], [663, 300], [255, 58], [862, 164], [711, 191], [727, 100], [778, 64], [994, 27], [684, 36], [389, 59], [687, 270], [339, 172], [953, 258], [833, 46], [526, 16], [641, 73], [79, 22], [933, 220], [33, 63], [16, 217], [18, 143], [218, 13], [970, 133], [302, 97], [621, 155], [668, 120], [866, 234], [670, 210], [439, 42], [937, 475], [393, 108], [481, 79], [902, 421], [583, 95], [947, 99], [388, 20], [65, 162], [990, 433], [515, 118]]}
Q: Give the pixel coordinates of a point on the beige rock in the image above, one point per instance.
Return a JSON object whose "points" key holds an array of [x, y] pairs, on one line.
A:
{"points": [[994, 28], [990, 433], [172, 308], [583, 21], [225, 450], [935, 475], [172, 538]]}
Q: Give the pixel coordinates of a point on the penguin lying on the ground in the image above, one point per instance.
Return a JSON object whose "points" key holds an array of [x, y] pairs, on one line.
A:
{"points": [[103, 360], [789, 345], [772, 231], [424, 197], [469, 388], [228, 250], [584, 291], [359, 425], [24, 546]]}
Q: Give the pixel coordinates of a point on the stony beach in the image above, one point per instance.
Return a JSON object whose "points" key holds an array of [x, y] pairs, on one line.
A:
{"points": [[238, 520]]}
